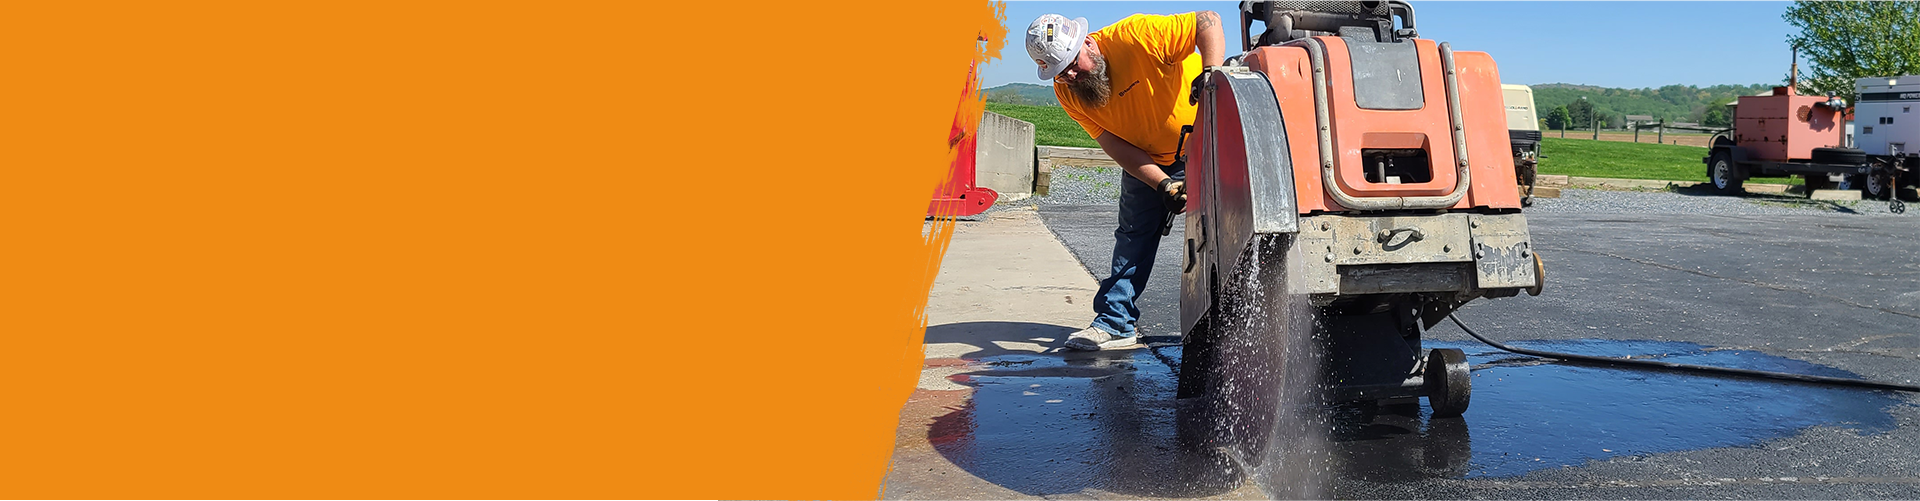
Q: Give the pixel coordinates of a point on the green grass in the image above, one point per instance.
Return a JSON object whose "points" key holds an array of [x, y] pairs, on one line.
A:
{"points": [[1051, 126], [1663, 162], [1572, 157]]}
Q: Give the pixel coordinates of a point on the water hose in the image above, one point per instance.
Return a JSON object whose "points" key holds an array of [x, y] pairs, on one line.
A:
{"points": [[1699, 369]]}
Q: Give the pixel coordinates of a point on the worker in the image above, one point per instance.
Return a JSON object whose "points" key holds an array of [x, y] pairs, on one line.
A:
{"points": [[1131, 85]]}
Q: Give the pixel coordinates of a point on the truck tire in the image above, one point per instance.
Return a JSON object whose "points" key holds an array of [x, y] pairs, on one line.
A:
{"points": [[1724, 175], [1875, 185], [1848, 156]]}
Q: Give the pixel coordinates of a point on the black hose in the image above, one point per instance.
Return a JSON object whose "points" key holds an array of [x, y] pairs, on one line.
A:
{"points": [[1721, 371]]}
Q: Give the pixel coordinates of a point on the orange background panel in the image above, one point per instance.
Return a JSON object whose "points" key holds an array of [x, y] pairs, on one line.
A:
{"points": [[467, 250]]}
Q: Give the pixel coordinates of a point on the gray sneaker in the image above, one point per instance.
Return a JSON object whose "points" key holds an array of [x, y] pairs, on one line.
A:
{"points": [[1094, 339]]}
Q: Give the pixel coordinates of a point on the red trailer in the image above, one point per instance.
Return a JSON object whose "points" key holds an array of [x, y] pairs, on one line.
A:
{"points": [[1787, 134]]}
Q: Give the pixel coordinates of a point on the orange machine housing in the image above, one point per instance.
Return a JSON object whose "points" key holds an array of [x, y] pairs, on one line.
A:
{"points": [[1354, 128], [1785, 126]]}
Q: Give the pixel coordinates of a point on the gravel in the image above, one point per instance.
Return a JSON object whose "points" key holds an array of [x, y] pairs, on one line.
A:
{"points": [[1698, 200], [1101, 186]]}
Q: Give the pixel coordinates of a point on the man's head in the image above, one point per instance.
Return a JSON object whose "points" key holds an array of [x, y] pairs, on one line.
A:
{"points": [[1067, 55]]}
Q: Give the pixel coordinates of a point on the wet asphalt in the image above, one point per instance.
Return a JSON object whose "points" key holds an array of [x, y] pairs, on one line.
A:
{"points": [[1830, 294]]}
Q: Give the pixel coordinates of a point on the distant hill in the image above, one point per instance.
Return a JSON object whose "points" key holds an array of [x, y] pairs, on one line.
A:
{"points": [[1023, 93], [1675, 103]]}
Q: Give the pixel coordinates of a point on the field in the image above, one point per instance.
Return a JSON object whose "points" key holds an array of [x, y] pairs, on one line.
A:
{"points": [[1664, 162], [1051, 126], [1614, 156]]}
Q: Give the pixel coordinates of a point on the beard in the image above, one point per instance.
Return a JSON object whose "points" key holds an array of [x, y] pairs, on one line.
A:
{"points": [[1094, 88]]}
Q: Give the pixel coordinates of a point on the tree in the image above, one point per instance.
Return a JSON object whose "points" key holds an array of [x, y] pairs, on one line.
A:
{"points": [[1559, 118], [1580, 113], [1716, 114], [1843, 41]]}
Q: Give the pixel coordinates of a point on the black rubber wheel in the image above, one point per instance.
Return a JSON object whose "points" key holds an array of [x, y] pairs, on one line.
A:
{"points": [[1724, 175], [1449, 386], [1849, 156]]}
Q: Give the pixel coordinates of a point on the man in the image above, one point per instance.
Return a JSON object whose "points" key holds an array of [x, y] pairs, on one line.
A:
{"points": [[1130, 86]]}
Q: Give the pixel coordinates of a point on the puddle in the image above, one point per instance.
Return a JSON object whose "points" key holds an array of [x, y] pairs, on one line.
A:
{"points": [[1108, 422], [1077, 422], [1527, 415]]}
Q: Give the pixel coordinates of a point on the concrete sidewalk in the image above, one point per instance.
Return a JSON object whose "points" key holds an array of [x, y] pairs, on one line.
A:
{"points": [[1006, 269], [1006, 287]]}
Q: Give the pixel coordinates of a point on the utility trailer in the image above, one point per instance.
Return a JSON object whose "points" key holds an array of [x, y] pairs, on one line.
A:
{"points": [[1887, 127], [1785, 134]]}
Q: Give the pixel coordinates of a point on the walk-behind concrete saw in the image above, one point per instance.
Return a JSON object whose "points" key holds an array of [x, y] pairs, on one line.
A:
{"points": [[1349, 164]]}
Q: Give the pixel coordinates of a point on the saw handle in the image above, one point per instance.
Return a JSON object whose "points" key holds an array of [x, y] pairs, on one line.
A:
{"points": [[1166, 227], [1180, 157]]}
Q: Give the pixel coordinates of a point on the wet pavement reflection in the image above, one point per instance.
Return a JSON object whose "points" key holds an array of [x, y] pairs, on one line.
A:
{"points": [[1527, 414], [1060, 423], [1072, 422]]}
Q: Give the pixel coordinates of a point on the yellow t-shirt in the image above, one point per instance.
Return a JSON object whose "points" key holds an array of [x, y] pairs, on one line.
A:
{"points": [[1151, 61]]}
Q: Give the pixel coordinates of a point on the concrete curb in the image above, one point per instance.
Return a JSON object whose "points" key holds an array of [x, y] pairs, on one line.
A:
{"points": [[1562, 181]]}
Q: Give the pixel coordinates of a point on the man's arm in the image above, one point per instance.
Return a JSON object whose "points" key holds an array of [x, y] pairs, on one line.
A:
{"points": [[1208, 38], [1134, 160]]}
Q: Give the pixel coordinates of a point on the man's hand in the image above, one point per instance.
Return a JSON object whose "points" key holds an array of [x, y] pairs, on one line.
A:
{"points": [[1174, 193], [1199, 84]]}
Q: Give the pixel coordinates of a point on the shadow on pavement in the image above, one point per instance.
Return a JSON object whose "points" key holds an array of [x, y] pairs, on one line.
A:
{"points": [[1790, 200], [991, 339]]}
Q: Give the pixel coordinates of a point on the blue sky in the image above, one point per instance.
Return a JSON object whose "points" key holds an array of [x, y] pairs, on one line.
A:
{"points": [[1611, 44]]}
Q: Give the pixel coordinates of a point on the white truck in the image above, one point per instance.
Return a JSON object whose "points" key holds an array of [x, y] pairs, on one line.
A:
{"points": [[1523, 129], [1886, 127]]}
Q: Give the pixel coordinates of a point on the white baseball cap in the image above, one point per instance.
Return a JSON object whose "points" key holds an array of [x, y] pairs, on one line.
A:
{"points": [[1054, 42]]}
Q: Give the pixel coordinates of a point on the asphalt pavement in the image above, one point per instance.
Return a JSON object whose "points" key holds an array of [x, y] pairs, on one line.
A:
{"points": [[1816, 293], [1003, 413]]}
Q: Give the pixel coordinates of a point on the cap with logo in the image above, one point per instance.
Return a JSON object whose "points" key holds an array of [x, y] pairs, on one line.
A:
{"points": [[1054, 42]]}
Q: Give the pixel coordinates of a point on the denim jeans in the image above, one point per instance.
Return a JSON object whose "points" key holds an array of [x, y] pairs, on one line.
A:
{"points": [[1135, 243]]}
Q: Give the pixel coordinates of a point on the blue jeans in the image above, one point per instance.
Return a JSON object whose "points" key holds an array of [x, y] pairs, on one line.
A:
{"points": [[1135, 243]]}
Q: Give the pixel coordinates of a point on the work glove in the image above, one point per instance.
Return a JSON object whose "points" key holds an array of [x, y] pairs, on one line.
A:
{"points": [[1174, 193], [1199, 84]]}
